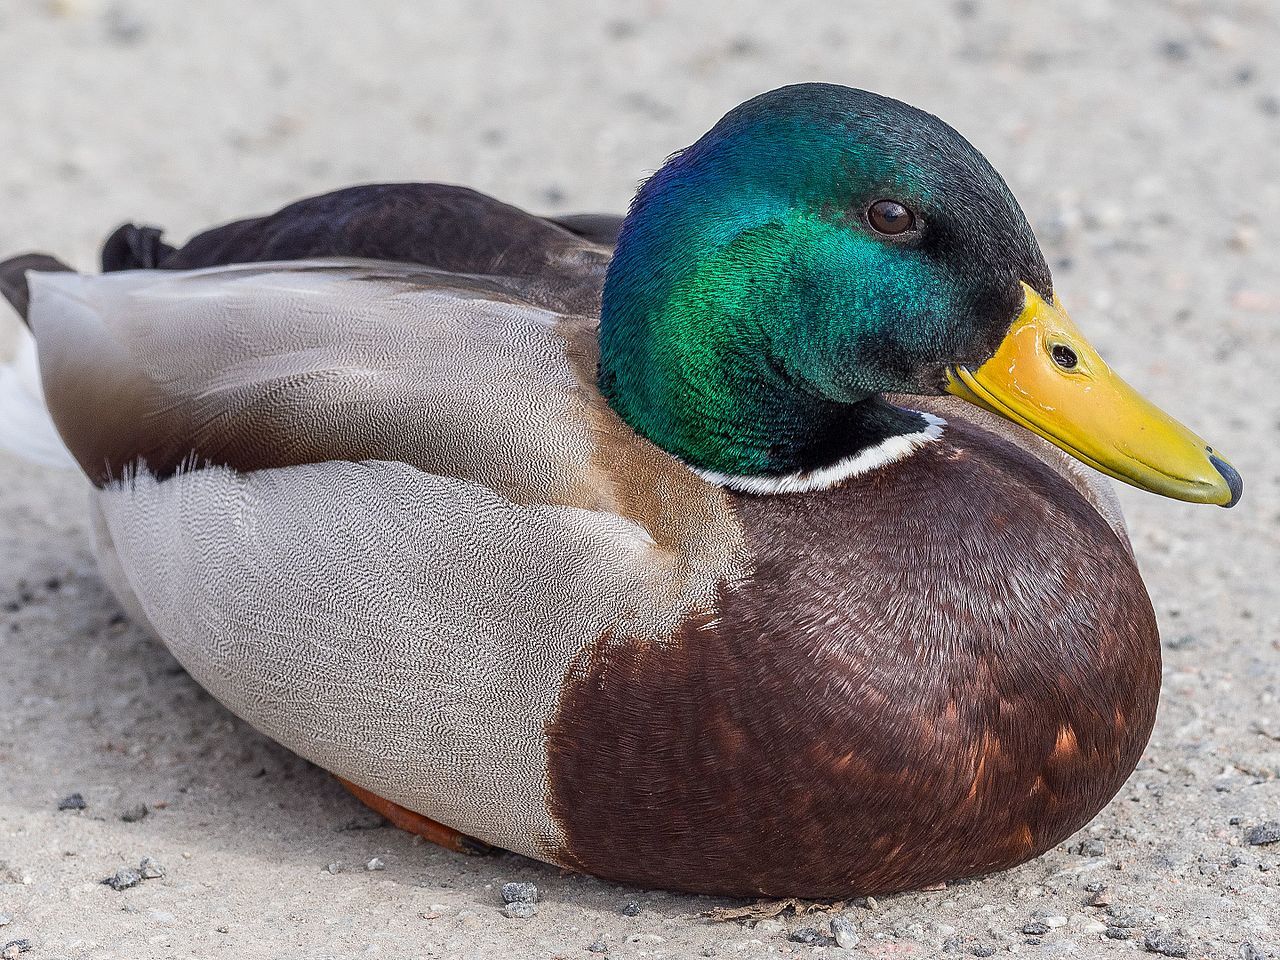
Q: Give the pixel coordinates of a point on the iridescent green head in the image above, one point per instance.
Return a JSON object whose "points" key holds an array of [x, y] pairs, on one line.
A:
{"points": [[821, 246]]}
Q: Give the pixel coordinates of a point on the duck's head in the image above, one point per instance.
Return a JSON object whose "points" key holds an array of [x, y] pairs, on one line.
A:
{"points": [[821, 246]]}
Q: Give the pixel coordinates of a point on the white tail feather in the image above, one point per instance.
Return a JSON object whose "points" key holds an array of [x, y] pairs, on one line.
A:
{"points": [[26, 428]]}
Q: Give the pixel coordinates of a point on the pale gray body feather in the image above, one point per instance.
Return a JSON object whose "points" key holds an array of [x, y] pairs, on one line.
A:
{"points": [[407, 626], [406, 631]]}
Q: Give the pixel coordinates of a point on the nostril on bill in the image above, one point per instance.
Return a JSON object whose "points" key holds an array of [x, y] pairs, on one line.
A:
{"points": [[1229, 474]]}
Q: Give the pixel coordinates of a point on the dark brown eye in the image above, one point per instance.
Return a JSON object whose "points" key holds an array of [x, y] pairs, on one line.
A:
{"points": [[1064, 356], [890, 217]]}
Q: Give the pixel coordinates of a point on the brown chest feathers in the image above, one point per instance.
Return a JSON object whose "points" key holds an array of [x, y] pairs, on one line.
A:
{"points": [[936, 671]]}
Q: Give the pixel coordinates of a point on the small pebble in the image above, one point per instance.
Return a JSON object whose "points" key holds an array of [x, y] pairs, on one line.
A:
{"points": [[1101, 898], [1263, 834], [375, 864], [519, 893], [810, 937], [631, 909], [845, 931], [1117, 933], [334, 868], [599, 946], [1036, 928], [5, 921], [520, 910], [72, 801], [1090, 848], [1130, 916], [135, 813], [149, 869], [15, 947], [123, 879], [1167, 944], [982, 950]]}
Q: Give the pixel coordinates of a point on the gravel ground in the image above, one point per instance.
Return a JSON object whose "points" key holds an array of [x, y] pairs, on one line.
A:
{"points": [[1142, 138]]}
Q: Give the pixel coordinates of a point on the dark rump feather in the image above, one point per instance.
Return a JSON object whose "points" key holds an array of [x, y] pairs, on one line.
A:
{"points": [[13, 277], [436, 225], [134, 248]]}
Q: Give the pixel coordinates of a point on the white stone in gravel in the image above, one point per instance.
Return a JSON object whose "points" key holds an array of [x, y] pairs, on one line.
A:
{"points": [[845, 931], [149, 869], [1086, 924]]}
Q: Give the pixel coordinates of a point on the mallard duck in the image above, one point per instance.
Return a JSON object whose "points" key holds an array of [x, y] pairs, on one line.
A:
{"points": [[739, 546]]}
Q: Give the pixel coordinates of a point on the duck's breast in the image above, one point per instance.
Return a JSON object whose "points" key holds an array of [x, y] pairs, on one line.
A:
{"points": [[937, 670]]}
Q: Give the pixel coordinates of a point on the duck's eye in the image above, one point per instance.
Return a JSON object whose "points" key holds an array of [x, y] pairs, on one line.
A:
{"points": [[890, 217], [1064, 356]]}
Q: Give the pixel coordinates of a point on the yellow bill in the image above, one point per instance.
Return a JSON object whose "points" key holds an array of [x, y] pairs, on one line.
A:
{"points": [[1046, 377]]}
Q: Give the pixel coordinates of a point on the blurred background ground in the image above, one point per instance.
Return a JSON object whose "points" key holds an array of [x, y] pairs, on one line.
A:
{"points": [[1143, 138]]}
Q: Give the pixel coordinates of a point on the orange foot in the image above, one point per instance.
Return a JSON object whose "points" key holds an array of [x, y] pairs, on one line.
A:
{"points": [[424, 827]]}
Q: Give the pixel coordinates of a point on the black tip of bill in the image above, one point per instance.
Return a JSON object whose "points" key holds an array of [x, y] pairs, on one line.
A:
{"points": [[1229, 474]]}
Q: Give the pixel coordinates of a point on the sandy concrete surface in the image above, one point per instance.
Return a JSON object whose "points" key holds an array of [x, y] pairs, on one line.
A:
{"points": [[1143, 139]]}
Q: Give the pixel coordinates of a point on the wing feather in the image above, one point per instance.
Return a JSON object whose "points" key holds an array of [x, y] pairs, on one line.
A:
{"points": [[273, 365]]}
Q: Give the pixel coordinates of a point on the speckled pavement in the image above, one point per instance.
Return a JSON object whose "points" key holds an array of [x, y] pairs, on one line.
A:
{"points": [[1143, 139]]}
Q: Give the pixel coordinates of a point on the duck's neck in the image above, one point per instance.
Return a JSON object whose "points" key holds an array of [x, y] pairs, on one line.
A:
{"points": [[866, 436], [703, 356]]}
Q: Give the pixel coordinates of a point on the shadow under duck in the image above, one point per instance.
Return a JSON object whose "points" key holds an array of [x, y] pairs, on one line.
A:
{"points": [[713, 548]]}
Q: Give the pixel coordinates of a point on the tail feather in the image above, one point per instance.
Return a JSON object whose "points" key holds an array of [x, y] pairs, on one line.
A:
{"points": [[26, 429], [132, 247]]}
